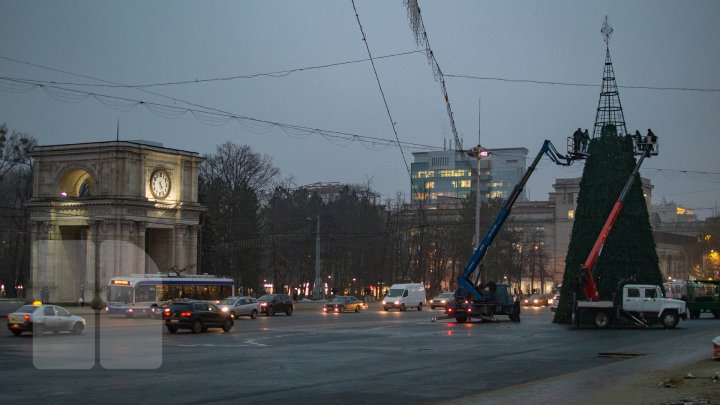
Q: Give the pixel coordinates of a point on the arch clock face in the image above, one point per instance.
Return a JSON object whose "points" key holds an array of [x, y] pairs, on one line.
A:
{"points": [[160, 183]]}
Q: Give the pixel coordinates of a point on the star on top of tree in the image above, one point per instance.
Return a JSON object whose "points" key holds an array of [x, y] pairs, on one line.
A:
{"points": [[606, 31]]}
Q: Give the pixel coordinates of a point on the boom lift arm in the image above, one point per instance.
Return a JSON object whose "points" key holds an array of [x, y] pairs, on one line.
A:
{"points": [[466, 286], [645, 148]]}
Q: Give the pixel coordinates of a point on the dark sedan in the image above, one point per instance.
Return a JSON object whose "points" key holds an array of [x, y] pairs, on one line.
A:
{"points": [[343, 303], [270, 304], [197, 316]]}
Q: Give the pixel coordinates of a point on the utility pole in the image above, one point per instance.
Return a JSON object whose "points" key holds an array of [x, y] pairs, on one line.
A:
{"points": [[317, 291]]}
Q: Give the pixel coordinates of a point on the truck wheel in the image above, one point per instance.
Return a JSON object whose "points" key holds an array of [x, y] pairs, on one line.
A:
{"points": [[385, 308], [716, 313], [694, 314], [461, 319], [670, 319], [402, 308], [420, 306], [602, 320]]}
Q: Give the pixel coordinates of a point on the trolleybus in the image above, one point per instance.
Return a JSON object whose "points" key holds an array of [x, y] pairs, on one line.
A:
{"points": [[142, 294]]}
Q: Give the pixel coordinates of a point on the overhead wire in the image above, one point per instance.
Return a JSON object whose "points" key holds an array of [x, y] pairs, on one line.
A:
{"points": [[382, 92], [219, 117], [571, 84], [275, 74]]}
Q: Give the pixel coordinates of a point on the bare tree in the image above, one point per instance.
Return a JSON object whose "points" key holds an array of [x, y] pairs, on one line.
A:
{"points": [[15, 190], [237, 165], [230, 181]]}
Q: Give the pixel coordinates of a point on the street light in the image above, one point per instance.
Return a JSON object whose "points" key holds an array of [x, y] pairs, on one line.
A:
{"points": [[478, 152]]}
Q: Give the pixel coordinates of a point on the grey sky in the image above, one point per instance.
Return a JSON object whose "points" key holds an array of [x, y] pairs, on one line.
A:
{"points": [[655, 43]]}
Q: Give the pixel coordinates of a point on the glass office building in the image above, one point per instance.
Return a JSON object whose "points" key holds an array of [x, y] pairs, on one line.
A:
{"points": [[445, 175]]}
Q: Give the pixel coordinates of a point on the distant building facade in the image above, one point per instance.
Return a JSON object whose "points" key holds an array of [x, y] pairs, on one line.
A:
{"points": [[329, 191], [449, 174]]}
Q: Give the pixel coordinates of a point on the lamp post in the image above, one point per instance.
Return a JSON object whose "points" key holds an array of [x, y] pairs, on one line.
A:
{"points": [[478, 152], [707, 239]]}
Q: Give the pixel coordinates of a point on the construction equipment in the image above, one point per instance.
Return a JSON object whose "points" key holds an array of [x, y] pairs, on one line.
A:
{"points": [[485, 300], [639, 304]]}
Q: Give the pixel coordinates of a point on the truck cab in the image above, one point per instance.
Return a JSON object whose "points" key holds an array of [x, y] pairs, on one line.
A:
{"points": [[648, 299], [640, 304]]}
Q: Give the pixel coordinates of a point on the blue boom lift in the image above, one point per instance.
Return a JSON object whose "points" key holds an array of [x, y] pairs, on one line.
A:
{"points": [[485, 300]]}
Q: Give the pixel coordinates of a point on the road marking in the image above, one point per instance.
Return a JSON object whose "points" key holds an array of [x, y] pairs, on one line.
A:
{"points": [[247, 343]]}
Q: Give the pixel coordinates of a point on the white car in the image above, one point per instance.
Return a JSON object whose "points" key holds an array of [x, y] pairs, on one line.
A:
{"points": [[40, 318], [240, 306]]}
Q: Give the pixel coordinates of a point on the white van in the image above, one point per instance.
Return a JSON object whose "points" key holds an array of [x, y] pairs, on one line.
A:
{"points": [[404, 296]]}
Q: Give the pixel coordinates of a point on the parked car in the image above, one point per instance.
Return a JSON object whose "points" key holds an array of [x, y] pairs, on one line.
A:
{"points": [[240, 306], [441, 300], [38, 318], [197, 316], [537, 300], [342, 303], [270, 304]]}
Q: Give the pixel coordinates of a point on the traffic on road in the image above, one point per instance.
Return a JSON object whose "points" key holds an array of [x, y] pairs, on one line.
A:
{"points": [[306, 356]]}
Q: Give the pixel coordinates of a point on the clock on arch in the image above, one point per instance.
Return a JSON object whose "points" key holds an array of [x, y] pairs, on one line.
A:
{"points": [[160, 184]]}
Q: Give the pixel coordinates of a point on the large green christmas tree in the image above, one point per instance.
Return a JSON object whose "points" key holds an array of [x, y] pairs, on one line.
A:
{"points": [[630, 248]]}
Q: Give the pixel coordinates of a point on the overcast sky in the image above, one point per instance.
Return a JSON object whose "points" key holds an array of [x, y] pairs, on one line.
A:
{"points": [[667, 44]]}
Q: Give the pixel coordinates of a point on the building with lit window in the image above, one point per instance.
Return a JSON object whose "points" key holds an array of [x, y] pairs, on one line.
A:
{"points": [[449, 174]]}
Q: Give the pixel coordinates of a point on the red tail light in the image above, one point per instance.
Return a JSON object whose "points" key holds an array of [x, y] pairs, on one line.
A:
{"points": [[27, 318], [166, 312], [185, 314]]}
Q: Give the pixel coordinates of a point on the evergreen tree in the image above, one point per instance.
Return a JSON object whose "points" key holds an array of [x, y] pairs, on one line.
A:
{"points": [[630, 249]]}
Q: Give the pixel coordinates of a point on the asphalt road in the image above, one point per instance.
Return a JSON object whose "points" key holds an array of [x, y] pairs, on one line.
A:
{"points": [[367, 357]]}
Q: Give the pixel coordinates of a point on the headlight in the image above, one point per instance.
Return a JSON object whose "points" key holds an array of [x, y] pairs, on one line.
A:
{"points": [[442, 301], [224, 309], [397, 302], [384, 302]]}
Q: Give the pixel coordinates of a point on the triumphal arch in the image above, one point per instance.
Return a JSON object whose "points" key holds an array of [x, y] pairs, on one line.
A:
{"points": [[106, 209]]}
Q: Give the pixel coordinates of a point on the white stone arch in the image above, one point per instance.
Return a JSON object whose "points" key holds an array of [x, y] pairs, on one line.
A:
{"points": [[71, 178]]}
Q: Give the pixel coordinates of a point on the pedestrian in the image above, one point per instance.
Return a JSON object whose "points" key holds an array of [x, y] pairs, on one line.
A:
{"points": [[81, 301], [585, 139]]}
